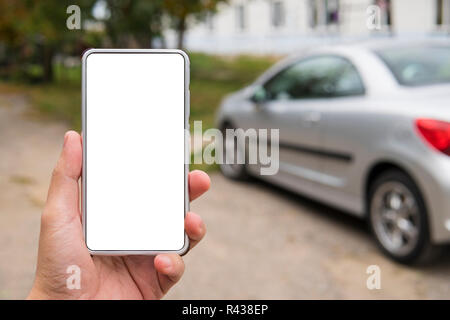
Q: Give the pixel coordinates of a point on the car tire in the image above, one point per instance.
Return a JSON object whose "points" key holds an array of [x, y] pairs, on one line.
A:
{"points": [[232, 171], [398, 218]]}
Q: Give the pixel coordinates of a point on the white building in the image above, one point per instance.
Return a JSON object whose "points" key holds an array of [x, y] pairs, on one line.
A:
{"points": [[283, 26]]}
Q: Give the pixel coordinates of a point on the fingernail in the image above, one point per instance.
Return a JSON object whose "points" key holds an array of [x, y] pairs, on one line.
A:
{"points": [[165, 261], [66, 136]]}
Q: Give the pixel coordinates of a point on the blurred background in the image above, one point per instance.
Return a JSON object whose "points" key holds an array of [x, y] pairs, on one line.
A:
{"points": [[263, 241]]}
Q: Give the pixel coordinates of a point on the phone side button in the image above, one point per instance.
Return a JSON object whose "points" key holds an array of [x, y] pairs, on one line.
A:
{"points": [[188, 113]]}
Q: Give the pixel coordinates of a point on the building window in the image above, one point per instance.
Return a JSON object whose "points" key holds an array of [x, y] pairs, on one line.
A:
{"points": [[443, 12], [324, 13], [332, 12], [385, 12], [278, 14], [240, 17]]}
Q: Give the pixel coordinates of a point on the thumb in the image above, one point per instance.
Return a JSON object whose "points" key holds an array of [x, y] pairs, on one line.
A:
{"points": [[63, 194]]}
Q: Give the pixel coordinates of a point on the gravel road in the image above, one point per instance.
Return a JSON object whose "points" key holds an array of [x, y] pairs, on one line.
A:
{"points": [[262, 242]]}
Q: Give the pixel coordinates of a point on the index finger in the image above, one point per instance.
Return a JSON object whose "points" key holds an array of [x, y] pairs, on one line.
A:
{"points": [[199, 183]]}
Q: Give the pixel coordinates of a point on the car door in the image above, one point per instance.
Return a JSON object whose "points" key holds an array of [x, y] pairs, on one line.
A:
{"points": [[294, 102], [291, 103], [343, 135]]}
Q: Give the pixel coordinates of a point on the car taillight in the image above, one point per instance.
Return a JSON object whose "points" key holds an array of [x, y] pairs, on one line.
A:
{"points": [[436, 132]]}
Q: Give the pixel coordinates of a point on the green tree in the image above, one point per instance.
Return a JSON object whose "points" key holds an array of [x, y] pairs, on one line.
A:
{"points": [[48, 23], [12, 36], [179, 11], [133, 22], [37, 30]]}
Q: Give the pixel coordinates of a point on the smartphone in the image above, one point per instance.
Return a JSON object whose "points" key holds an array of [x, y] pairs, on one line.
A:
{"points": [[135, 109]]}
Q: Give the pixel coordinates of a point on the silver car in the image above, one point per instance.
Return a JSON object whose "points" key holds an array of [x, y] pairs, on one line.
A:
{"points": [[365, 128]]}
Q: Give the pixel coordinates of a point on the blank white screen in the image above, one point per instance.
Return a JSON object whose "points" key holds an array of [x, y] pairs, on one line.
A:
{"points": [[134, 151]]}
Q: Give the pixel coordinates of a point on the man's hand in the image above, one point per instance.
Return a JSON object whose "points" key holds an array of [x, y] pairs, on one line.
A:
{"points": [[61, 244]]}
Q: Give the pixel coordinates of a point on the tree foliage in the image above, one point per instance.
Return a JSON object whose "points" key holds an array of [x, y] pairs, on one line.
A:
{"points": [[179, 12], [32, 32], [134, 22]]}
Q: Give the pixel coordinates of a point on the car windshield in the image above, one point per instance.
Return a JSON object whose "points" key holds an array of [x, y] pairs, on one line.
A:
{"points": [[417, 66]]}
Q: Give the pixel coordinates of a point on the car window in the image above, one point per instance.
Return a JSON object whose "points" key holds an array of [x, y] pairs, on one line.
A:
{"points": [[417, 66], [318, 77]]}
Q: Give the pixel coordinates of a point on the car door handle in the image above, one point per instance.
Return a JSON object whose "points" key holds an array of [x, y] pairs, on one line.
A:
{"points": [[260, 106]]}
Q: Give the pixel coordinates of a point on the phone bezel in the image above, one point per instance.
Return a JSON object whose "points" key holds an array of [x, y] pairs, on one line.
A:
{"points": [[86, 54]]}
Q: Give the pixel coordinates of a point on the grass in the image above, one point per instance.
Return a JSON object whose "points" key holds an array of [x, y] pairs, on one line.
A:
{"points": [[212, 77], [23, 180], [60, 101]]}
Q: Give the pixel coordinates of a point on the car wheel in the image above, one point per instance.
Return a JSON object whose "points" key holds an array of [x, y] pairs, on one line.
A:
{"points": [[232, 170], [398, 218]]}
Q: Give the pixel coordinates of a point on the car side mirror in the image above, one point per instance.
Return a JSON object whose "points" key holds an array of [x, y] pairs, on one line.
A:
{"points": [[259, 95]]}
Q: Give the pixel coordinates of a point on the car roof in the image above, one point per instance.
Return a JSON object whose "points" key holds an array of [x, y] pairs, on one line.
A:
{"points": [[377, 78]]}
